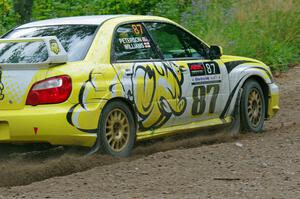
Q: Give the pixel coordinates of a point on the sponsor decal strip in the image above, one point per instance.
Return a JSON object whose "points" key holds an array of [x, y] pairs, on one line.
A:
{"points": [[207, 82]]}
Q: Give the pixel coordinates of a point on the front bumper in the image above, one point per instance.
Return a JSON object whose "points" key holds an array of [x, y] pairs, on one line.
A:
{"points": [[273, 101]]}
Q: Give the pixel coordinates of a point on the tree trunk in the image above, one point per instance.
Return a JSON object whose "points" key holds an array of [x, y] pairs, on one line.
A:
{"points": [[24, 9]]}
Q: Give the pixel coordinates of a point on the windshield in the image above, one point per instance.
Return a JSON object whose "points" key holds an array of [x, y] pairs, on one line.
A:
{"points": [[76, 39]]}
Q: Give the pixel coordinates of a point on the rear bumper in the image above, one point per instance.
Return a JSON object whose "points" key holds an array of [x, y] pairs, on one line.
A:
{"points": [[45, 123], [273, 102]]}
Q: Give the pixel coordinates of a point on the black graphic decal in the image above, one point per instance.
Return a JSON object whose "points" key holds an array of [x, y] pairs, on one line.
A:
{"points": [[81, 104], [199, 102], [1, 87], [199, 94], [155, 91], [222, 116], [232, 64], [157, 94]]}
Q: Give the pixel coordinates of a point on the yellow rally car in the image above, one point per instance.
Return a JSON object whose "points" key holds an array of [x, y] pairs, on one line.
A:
{"points": [[107, 81]]}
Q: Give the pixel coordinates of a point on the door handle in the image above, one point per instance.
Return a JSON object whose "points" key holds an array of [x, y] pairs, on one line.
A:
{"points": [[128, 72]]}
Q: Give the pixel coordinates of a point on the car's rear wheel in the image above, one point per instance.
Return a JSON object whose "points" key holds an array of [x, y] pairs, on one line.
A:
{"points": [[117, 129], [252, 107]]}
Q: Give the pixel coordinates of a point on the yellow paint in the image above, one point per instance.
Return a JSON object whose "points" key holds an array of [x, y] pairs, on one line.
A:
{"points": [[50, 121], [273, 105], [18, 123], [182, 128]]}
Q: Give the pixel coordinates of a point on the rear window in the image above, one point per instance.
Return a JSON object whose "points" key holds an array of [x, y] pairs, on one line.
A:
{"points": [[76, 39]]}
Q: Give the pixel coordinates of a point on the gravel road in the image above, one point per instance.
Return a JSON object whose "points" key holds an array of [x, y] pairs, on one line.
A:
{"points": [[263, 165]]}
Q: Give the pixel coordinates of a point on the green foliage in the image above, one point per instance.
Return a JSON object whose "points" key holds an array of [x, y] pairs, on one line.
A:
{"points": [[44, 9], [172, 9], [268, 30], [8, 18]]}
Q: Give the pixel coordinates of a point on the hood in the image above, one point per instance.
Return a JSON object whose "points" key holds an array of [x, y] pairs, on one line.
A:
{"points": [[232, 62], [230, 58]]}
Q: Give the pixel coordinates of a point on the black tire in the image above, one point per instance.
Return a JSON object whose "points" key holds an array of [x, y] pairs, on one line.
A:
{"points": [[253, 107], [105, 129]]}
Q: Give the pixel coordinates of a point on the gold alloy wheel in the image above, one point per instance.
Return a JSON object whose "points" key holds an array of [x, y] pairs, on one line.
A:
{"points": [[117, 130], [254, 107]]}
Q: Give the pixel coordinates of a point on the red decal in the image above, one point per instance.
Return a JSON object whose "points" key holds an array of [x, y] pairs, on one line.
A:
{"points": [[197, 67], [35, 130]]}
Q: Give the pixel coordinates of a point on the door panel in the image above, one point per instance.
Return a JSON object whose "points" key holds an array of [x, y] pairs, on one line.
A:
{"points": [[204, 81], [153, 86], [206, 90], [155, 89]]}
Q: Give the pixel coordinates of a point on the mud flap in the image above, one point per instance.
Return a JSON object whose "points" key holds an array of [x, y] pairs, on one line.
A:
{"points": [[235, 127], [97, 146]]}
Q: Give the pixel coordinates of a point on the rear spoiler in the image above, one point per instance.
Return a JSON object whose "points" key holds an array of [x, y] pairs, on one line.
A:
{"points": [[56, 52]]}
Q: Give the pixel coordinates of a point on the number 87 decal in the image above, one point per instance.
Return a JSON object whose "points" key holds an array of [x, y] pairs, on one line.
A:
{"points": [[137, 29], [199, 102]]}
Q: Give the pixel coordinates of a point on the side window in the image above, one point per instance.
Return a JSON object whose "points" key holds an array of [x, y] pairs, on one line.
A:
{"points": [[131, 42], [175, 42]]}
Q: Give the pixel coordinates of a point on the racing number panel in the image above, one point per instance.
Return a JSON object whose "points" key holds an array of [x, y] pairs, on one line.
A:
{"points": [[203, 71]]}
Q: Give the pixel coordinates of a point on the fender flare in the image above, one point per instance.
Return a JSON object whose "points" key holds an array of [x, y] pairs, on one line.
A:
{"points": [[238, 76]]}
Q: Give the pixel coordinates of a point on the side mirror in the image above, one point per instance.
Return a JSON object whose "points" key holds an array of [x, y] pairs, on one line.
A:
{"points": [[215, 52]]}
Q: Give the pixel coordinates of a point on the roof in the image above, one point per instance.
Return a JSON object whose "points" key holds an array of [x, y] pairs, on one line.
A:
{"points": [[89, 20]]}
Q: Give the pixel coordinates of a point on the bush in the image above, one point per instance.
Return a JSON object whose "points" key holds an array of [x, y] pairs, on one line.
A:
{"points": [[268, 30], [8, 17]]}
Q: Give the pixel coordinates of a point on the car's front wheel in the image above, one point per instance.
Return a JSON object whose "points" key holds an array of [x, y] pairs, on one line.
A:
{"points": [[252, 107], [117, 129]]}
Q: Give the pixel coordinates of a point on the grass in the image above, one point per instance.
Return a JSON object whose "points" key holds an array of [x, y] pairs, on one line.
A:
{"points": [[268, 30]]}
